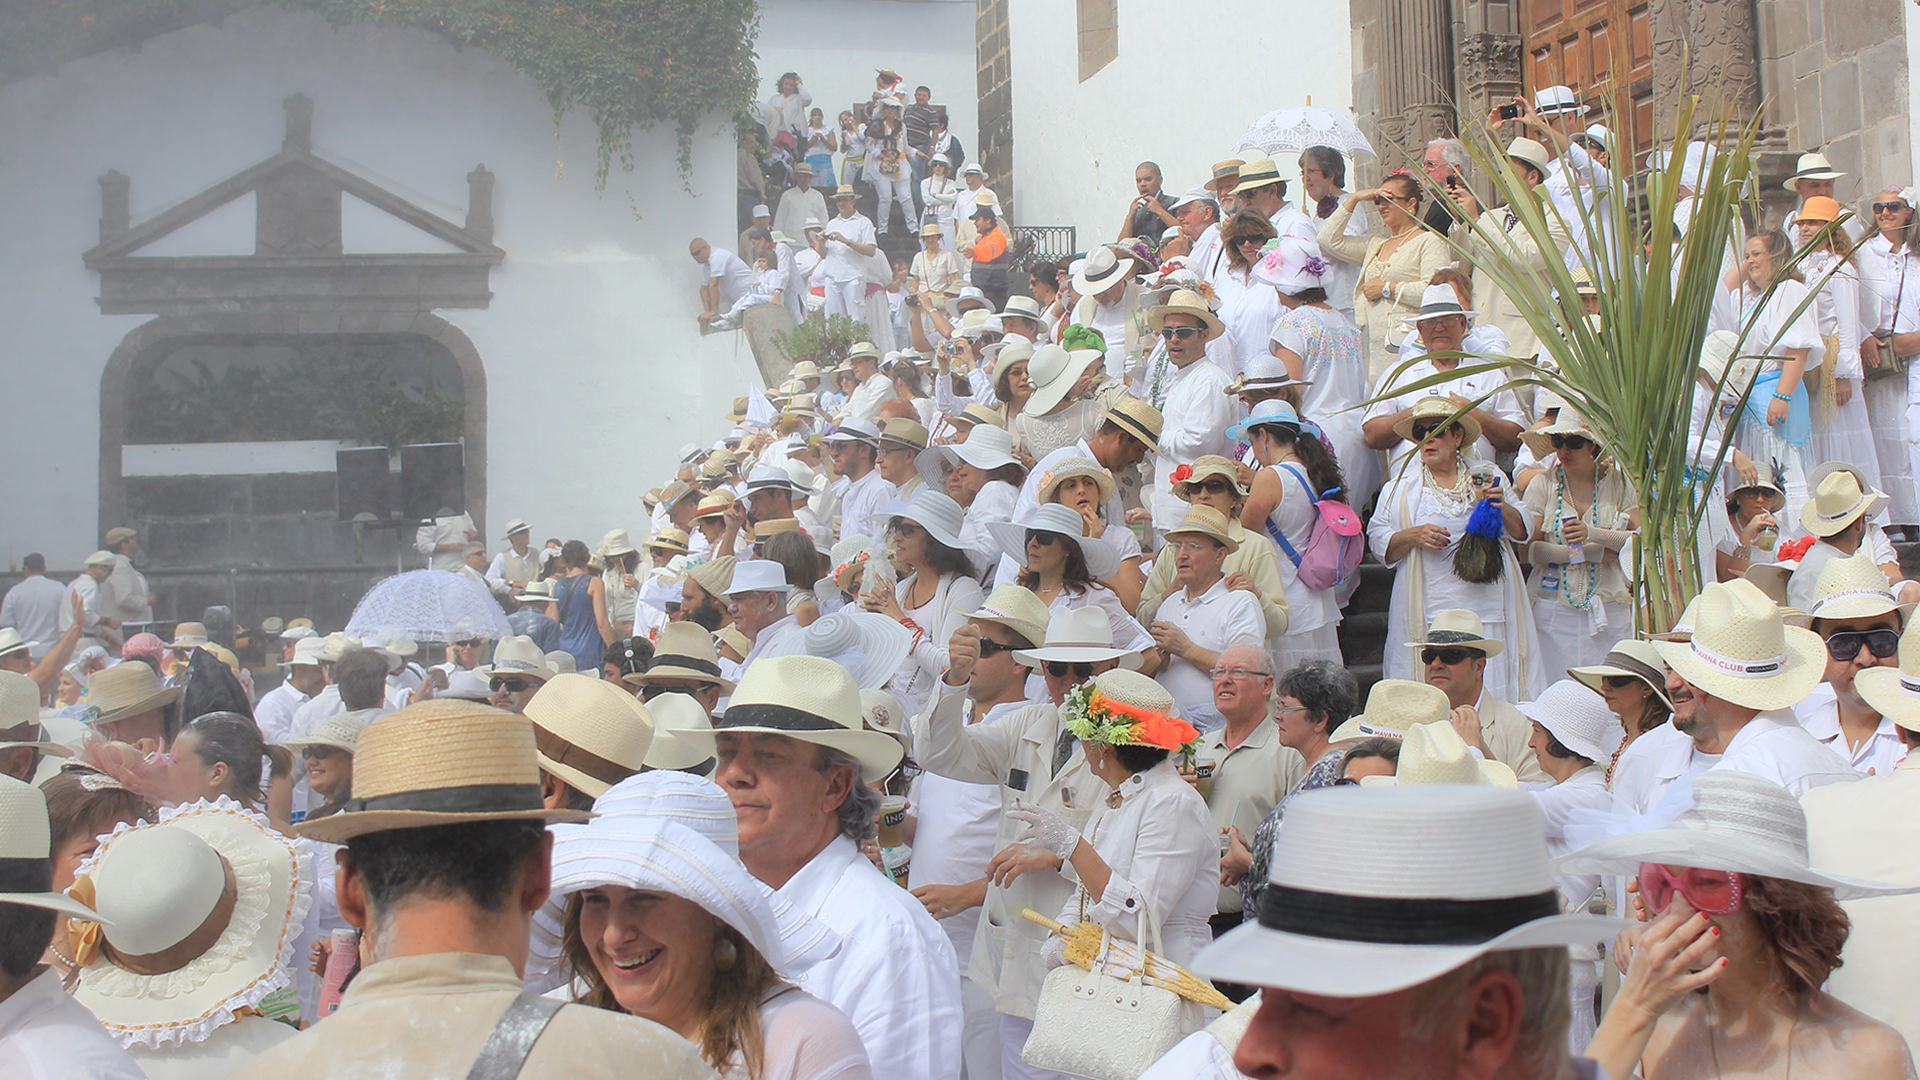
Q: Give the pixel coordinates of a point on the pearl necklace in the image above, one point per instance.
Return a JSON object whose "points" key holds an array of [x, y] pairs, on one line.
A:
{"points": [[1457, 499]]}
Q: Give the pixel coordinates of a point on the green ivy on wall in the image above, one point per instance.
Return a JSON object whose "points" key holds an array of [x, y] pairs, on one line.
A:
{"points": [[629, 63]]}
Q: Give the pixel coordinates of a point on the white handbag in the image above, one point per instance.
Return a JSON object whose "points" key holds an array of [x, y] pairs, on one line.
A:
{"points": [[1090, 1024]]}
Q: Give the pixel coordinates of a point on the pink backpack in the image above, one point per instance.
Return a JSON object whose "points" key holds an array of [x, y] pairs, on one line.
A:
{"points": [[1330, 559]]}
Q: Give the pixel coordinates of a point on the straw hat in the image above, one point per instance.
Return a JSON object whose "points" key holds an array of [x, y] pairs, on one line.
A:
{"points": [[938, 514], [1742, 651], [1737, 822], [683, 652], [868, 645], [1565, 422], [1016, 608], [714, 505], [770, 478], [1457, 628], [1442, 409], [535, 592], [1628, 657], [855, 430], [1070, 467], [589, 732], [517, 654], [730, 636], [201, 912], [669, 539], [990, 447], [306, 651], [561, 662], [674, 713], [881, 711], [441, 762], [1812, 167], [1186, 302], [20, 716], [1205, 521], [127, 689], [1054, 371], [1126, 708], [1257, 173], [899, 432], [1136, 418], [1205, 467], [188, 635], [969, 294], [25, 833], [1851, 587], [806, 698], [1578, 716], [1101, 270], [1438, 302], [1227, 167], [11, 641], [1377, 890], [1555, 100], [341, 731], [1723, 365], [976, 413], [1103, 560], [1006, 354], [1840, 498], [1077, 636], [1894, 692], [1531, 152], [1393, 707], [713, 575], [1436, 754]]}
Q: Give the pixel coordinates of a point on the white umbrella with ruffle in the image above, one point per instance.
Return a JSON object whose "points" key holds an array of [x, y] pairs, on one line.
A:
{"points": [[1293, 129], [428, 605]]}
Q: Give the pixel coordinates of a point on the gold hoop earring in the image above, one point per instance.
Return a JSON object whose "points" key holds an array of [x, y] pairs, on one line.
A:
{"points": [[725, 954]]}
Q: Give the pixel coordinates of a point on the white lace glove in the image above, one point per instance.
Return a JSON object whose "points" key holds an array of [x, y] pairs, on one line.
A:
{"points": [[1046, 829], [1053, 953]]}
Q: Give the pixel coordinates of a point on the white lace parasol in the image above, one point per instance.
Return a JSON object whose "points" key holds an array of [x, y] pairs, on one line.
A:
{"points": [[1293, 129], [428, 605]]}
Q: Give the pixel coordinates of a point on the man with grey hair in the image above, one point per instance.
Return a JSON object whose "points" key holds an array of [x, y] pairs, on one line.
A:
{"points": [[792, 755], [1445, 163]]}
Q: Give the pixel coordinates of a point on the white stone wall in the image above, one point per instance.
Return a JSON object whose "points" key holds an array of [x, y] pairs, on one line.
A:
{"points": [[596, 373], [1186, 84]]}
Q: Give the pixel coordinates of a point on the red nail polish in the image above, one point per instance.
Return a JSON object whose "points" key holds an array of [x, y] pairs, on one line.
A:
{"points": [[1716, 931]]}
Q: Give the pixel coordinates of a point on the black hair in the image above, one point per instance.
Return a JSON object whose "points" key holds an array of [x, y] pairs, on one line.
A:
{"points": [[1329, 161], [1138, 759], [1323, 469], [1558, 749], [235, 740], [1380, 746], [25, 932], [34, 563], [475, 862], [1315, 295], [362, 678], [633, 655]]}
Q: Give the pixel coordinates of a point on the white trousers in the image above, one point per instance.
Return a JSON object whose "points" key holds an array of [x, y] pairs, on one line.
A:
{"points": [[1013, 1039], [980, 1034], [895, 189], [1294, 648], [847, 298]]}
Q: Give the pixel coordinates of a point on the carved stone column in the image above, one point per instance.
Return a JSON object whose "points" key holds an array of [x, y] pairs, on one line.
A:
{"points": [[1712, 48], [1489, 71], [1415, 65]]}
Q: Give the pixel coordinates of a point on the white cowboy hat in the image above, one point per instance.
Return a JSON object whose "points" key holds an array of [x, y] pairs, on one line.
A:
{"points": [[1053, 371], [869, 645], [1436, 754], [1377, 890], [1100, 271], [1438, 302], [1629, 657], [25, 833], [988, 448], [937, 513], [1186, 302], [201, 915], [1742, 651], [517, 655], [678, 712], [1554, 100], [808, 698], [1077, 636], [1393, 707], [20, 717], [1839, 497], [1457, 628], [1016, 608], [1737, 822], [1811, 167], [589, 732], [1103, 560], [1578, 717], [1852, 587], [683, 652], [757, 575]]}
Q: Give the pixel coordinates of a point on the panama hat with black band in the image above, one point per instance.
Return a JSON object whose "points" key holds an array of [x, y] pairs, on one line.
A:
{"points": [[808, 698], [1136, 418], [684, 652]]}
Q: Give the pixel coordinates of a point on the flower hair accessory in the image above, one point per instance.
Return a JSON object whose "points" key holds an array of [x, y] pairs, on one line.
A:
{"points": [[1094, 717], [1181, 475]]}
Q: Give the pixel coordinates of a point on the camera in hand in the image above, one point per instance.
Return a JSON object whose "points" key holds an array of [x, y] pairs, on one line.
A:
{"points": [[1510, 111]]}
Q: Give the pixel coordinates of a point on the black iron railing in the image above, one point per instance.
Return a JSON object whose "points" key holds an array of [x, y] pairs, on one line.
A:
{"points": [[1032, 243]]}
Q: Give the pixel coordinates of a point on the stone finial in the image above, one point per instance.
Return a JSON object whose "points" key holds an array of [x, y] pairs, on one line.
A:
{"points": [[480, 203], [299, 123], [114, 215]]}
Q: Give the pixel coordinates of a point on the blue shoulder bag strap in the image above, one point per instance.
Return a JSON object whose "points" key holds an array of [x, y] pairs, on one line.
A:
{"points": [[1274, 530]]}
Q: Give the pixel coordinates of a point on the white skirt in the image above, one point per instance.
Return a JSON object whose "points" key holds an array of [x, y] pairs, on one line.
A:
{"points": [[1294, 648], [1887, 410], [1847, 437], [1567, 636]]}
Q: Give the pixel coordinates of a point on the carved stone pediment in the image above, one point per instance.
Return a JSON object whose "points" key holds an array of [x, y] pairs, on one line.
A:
{"points": [[298, 262]]}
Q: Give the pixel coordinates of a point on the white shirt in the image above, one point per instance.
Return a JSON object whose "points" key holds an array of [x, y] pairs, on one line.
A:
{"points": [[868, 397], [1584, 790], [1215, 619], [1650, 765], [782, 638], [125, 593], [33, 608], [46, 1035], [1502, 404], [1773, 746], [508, 568], [954, 840], [274, 711], [1198, 413], [895, 975], [860, 506], [1164, 854], [995, 502], [1290, 220], [1881, 753], [88, 590], [1588, 219], [842, 262], [444, 530], [731, 272], [790, 217]]}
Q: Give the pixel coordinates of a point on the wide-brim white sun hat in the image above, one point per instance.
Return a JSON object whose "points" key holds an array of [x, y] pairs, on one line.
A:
{"points": [[1053, 372], [1742, 651], [869, 645], [1081, 635], [1103, 560], [808, 698], [1738, 822], [1374, 890], [1577, 716], [211, 896], [987, 448], [936, 512]]}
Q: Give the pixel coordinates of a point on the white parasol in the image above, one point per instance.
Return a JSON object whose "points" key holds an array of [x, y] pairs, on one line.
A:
{"points": [[1293, 129], [428, 605]]}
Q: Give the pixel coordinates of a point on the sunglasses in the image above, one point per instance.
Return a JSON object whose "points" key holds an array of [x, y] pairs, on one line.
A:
{"points": [[1618, 682], [906, 528], [1449, 657], [1709, 892], [1241, 240], [990, 647], [470, 643], [1213, 486], [1421, 431], [1059, 669], [1888, 207], [511, 686], [1181, 332], [1570, 442], [1044, 539], [1846, 644]]}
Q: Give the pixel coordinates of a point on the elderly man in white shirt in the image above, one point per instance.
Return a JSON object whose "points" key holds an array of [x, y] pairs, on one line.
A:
{"points": [[275, 710], [1191, 396], [756, 599], [1442, 326], [791, 753], [1858, 619], [1200, 617], [856, 449]]}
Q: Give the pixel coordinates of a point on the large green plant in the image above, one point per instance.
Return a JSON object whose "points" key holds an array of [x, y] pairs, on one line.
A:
{"points": [[629, 63], [826, 341]]}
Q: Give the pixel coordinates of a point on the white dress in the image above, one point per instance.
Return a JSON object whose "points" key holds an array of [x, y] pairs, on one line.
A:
{"points": [[804, 1038], [1841, 432], [1892, 292], [1425, 582], [1313, 619], [1335, 369]]}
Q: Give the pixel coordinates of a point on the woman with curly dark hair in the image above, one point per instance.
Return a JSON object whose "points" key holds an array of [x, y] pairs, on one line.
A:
{"points": [[1725, 979], [937, 588]]}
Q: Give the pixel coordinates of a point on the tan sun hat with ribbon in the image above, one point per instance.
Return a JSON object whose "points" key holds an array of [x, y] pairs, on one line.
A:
{"points": [[1840, 497], [1394, 706], [1436, 754], [1853, 587], [1018, 609], [128, 688], [1205, 521], [589, 732], [1744, 652]]}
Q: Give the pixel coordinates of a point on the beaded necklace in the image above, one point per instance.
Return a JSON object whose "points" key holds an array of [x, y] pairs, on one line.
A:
{"points": [[1591, 578], [1455, 500]]}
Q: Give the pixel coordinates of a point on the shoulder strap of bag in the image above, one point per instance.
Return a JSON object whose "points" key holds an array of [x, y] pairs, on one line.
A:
{"points": [[1274, 530], [512, 1038], [567, 600]]}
